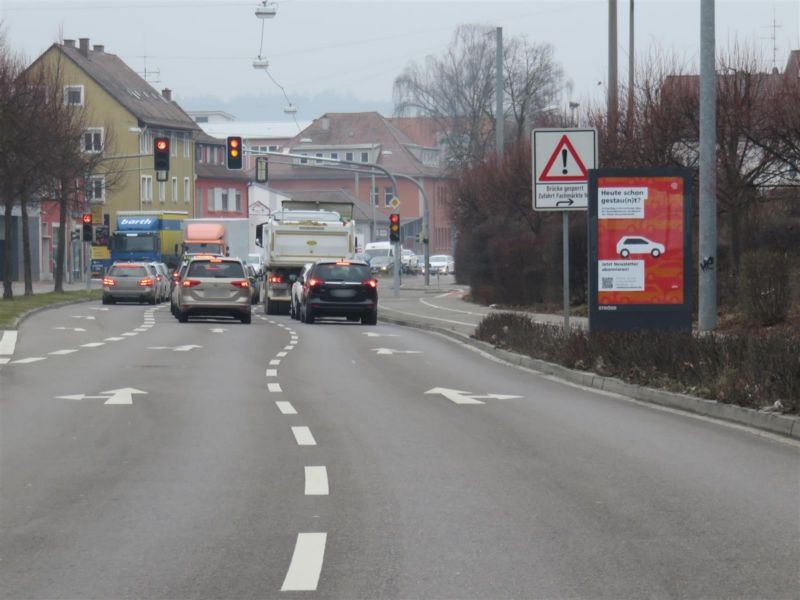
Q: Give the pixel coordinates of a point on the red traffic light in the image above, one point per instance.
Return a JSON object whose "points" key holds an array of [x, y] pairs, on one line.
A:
{"points": [[234, 159], [394, 219], [162, 144], [234, 142], [87, 219]]}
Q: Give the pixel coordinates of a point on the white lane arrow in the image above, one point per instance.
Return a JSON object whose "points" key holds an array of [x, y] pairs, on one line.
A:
{"points": [[69, 328], [371, 334], [88, 318], [462, 397], [217, 330], [122, 395], [176, 348], [390, 351]]}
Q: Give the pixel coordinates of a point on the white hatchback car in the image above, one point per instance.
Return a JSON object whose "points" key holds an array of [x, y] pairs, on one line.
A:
{"points": [[635, 244]]}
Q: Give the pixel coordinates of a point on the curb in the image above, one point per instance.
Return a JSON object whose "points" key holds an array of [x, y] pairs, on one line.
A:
{"points": [[773, 423], [16, 322]]}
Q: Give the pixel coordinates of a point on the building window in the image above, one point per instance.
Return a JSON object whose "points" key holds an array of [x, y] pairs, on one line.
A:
{"points": [[218, 198], [93, 140], [146, 142], [319, 155], [335, 155], [146, 189], [95, 188], [237, 194], [174, 189], [365, 157], [348, 156], [173, 144], [198, 194], [303, 161], [187, 146], [374, 196], [198, 153], [387, 196], [187, 191], [73, 95], [162, 191], [272, 148]]}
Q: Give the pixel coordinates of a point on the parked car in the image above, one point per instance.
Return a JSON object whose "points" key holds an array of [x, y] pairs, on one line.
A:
{"points": [[636, 244], [339, 289], [442, 263], [408, 261], [215, 286], [381, 265], [130, 281], [297, 291]]}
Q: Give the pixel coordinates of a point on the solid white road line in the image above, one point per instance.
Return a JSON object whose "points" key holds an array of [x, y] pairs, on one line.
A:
{"points": [[281, 354], [8, 342], [63, 352], [274, 387], [455, 310], [274, 362], [316, 481], [93, 344], [286, 408], [272, 372], [303, 436], [25, 361], [306, 565], [401, 312]]}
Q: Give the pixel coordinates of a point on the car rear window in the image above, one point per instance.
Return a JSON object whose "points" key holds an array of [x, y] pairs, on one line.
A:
{"points": [[127, 271], [223, 269], [334, 272]]}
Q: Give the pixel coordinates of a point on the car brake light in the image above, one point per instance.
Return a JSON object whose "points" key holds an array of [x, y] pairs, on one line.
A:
{"points": [[343, 262], [275, 279], [190, 282], [109, 281], [314, 282], [242, 284], [147, 281], [176, 276], [159, 277], [373, 283]]}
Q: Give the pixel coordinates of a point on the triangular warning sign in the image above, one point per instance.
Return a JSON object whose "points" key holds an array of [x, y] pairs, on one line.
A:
{"points": [[564, 164]]}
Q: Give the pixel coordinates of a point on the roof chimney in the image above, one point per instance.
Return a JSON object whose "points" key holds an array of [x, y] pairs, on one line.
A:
{"points": [[167, 93], [84, 46], [98, 48], [69, 43]]}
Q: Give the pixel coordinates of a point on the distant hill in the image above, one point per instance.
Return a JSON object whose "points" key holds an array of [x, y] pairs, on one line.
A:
{"points": [[269, 107]]}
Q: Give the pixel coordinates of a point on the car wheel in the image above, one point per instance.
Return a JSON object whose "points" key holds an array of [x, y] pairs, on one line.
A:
{"points": [[106, 299], [269, 307], [246, 318], [352, 317], [183, 316], [152, 300], [309, 315], [292, 312], [370, 317], [655, 252], [624, 253]]}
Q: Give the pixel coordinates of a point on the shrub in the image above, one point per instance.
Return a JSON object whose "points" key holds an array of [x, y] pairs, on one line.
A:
{"points": [[764, 290], [752, 371]]}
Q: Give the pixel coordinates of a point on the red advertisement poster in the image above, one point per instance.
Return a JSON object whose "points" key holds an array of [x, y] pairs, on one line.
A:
{"points": [[640, 240]]}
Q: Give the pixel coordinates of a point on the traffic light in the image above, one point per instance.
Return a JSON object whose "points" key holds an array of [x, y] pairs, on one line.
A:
{"points": [[234, 152], [87, 227], [161, 154], [394, 227], [262, 169]]}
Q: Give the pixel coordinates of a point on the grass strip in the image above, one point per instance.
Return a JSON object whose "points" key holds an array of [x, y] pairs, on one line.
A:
{"points": [[11, 310]]}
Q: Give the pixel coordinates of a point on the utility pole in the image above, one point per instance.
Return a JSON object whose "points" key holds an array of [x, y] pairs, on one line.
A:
{"points": [[499, 120], [613, 100], [707, 273]]}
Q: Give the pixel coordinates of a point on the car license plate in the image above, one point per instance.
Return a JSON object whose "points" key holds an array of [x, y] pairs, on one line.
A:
{"points": [[216, 294], [343, 293]]}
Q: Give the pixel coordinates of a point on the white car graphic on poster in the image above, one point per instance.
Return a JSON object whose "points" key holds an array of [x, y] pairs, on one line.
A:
{"points": [[636, 244]]}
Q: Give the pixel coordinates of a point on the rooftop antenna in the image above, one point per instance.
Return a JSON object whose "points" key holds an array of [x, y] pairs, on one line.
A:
{"points": [[155, 74], [774, 37]]}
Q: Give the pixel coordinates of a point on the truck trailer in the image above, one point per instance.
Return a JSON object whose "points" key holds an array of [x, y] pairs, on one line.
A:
{"points": [[302, 232], [148, 236], [225, 237]]}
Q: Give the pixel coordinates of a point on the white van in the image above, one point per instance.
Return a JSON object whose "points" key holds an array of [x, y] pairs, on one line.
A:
{"points": [[374, 249]]}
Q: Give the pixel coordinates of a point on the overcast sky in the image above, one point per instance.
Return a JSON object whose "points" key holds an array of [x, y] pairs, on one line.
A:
{"points": [[357, 48]]}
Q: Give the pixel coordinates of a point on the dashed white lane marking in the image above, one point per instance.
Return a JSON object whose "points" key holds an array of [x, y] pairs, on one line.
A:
{"points": [[289, 347], [274, 362], [140, 329], [25, 361], [114, 339], [272, 372], [63, 352], [306, 565], [130, 334], [303, 436], [316, 481], [93, 344], [281, 354], [8, 342], [286, 408], [274, 387]]}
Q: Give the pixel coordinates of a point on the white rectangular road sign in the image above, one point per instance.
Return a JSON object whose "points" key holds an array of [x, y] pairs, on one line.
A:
{"points": [[561, 162]]}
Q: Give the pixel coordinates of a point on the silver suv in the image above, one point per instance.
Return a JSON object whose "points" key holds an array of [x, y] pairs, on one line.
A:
{"points": [[214, 286], [130, 281]]}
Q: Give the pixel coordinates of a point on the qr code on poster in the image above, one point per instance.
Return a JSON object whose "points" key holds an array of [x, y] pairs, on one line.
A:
{"points": [[607, 283]]}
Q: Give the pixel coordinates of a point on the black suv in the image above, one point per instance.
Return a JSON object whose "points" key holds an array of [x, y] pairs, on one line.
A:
{"points": [[341, 288]]}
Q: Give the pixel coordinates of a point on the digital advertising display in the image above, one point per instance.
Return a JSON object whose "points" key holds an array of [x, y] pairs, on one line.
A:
{"points": [[639, 248]]}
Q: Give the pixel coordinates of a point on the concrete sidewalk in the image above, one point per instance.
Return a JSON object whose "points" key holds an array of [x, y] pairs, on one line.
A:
{"points": [[43, 287]]}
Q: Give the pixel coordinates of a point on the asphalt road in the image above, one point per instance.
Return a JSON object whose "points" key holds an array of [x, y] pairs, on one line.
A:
{"points": [[337, 460]]}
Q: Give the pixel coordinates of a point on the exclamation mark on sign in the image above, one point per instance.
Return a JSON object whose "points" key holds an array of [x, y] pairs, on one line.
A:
{"points": [[564, 160]]}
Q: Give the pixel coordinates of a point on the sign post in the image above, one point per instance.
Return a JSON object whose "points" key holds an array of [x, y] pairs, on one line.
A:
{"points": [[561, 162]]}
